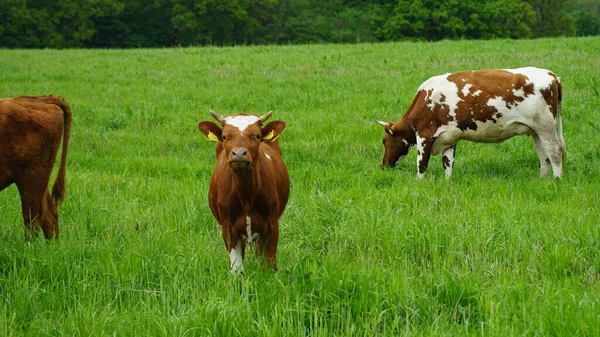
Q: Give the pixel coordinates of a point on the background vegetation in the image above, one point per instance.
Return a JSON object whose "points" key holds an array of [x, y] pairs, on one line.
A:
{"points": [[364, 252], [163, 23]]}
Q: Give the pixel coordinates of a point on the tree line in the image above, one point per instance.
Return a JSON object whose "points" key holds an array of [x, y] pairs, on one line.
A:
{"points": [[166, 23]]}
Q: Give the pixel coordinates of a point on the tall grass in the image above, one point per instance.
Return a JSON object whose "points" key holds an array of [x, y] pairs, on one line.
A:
{"points": [[363, 251]]}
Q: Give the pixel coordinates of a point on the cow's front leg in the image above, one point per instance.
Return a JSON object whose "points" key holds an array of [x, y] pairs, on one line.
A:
{"points": [[448, 160], [269, 242], [424, 145], [235, 247]]}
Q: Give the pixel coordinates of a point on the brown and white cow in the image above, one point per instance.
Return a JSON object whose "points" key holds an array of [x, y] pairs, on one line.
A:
{"points": [[249, 188], [481, 106], [31, 130]]}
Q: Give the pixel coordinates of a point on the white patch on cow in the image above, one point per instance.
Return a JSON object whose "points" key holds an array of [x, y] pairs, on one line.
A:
{"points": [[476, 93], [236, 259], [540, 78], [438, 86], [267, 155], [465, 89], [241, 122], [518, 93]]}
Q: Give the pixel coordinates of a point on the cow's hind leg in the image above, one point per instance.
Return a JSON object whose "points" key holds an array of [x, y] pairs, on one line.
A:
{"points": [[448, 160], [39, 211], [544, 160]]}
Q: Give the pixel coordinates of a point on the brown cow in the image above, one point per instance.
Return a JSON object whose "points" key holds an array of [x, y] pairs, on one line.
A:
{"points": [[31, 129], [480, 106], [249, 188]]}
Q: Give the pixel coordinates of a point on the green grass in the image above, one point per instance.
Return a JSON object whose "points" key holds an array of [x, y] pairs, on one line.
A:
{"points": [[495, 251]]}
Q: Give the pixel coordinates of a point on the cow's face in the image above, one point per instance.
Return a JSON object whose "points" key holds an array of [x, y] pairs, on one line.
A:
{"points": [[240, 138], [396, 145]]}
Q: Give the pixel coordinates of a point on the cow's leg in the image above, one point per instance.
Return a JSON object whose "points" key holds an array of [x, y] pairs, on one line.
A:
{"points": [[235, 249], [553, 148], [448, 160], [423, 154], [270, 246], [39, 211], [544, 160], [236, 256], [31, 206]]}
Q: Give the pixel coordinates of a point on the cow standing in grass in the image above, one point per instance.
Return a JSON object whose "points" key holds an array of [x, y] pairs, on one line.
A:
{"points": [[482, 106], [250, 186], [31, 130]]}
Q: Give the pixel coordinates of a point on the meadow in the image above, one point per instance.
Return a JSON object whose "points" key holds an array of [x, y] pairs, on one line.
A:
{"points": [[495, 251]]}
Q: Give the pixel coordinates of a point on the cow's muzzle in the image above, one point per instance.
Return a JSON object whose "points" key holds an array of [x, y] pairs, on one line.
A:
{"points": [[239, 160]]}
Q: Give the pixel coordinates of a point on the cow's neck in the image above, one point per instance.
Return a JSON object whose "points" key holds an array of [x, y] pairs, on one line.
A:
{"points": [[246, 186], [408, 133]]}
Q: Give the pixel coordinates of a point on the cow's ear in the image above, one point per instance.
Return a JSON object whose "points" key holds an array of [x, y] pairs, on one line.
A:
{"points": [[211, 130], [272, 130], [387, 126]]}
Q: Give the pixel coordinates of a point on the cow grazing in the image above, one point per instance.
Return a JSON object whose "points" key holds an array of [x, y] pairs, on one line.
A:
{"points": [[31, 130], [481, 106], [250, 186]]}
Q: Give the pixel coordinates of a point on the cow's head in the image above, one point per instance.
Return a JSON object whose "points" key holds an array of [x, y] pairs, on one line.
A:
{"points": [[240, 136], [397, 143]]}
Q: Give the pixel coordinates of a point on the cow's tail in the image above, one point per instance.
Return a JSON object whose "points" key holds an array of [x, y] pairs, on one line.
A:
{"points": [[59, 189], [559, 124]]}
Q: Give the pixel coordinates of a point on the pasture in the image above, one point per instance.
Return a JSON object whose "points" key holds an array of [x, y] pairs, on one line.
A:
{"points": [[495, 251]]}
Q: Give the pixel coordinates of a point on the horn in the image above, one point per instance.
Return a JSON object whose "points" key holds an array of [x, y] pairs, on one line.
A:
{"points": [[265, 116], [384, 124], [217, 117]]}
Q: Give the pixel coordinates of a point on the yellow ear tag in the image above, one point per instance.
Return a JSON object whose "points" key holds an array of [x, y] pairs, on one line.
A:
{"points": [[390, 131], [211, 137], [269, 136]]}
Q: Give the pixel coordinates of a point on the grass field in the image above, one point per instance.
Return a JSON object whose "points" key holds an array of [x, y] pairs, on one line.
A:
{"points": [[495, 251]]}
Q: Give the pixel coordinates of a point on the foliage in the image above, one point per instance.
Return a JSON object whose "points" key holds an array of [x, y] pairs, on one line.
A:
{"points": [[552, 17], [163, 23], [455, 19], [587, 17]]}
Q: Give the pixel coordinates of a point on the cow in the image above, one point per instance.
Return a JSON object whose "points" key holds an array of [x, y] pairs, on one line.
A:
{"points": [[249, 187], [487, 106], [31, 130]]}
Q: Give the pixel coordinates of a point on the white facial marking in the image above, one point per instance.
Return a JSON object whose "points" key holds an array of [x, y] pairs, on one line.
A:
{"points": [[241, 122], [267, 155], [236, 259]]}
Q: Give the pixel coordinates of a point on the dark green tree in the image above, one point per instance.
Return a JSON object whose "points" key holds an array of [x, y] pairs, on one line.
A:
{"points": [[553, 18], [454, 19], [586, 15]]}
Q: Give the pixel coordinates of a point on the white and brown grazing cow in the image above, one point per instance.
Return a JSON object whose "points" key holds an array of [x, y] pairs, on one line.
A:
{"points": [[31, 130], [249, 188], [482, 106]]}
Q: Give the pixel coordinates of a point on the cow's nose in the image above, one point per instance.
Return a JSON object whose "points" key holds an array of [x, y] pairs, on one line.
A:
{"points": [[239, 153]]}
